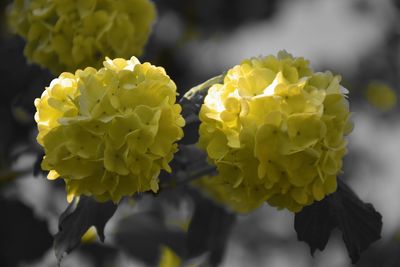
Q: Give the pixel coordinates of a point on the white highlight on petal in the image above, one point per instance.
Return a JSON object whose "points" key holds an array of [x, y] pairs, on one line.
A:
{"points": [[270, 89]]}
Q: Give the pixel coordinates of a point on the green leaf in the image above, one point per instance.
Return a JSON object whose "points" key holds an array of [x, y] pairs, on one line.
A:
{"points": [[79, 216]]}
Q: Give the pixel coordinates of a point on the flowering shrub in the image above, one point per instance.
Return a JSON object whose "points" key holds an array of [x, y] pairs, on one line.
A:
{"points": [[268, 130], [64, 35], [109, 132], [275, 131]]}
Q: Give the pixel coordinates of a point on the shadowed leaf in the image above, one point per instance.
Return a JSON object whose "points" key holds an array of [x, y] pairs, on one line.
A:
{"points": [[77, 219], [209, 230], [191, 103], [190, 111], [37, 169], [314, 225], [99, 253], [141, 236], [191, 131], [359, 222]]}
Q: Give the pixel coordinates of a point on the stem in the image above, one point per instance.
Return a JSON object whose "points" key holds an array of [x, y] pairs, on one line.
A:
{"points": [[184, 178], [203, 86]]}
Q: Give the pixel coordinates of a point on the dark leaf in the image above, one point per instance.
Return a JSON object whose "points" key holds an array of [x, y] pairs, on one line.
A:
{"points": [[314, 225], [141, 235], [191, 130], [209, 230], [24, 82], [359, 222], [77, 219], [190, 111], [99, 253], [191, 103], [189, 163], [23, 236], [385, 255], [37, 169]]}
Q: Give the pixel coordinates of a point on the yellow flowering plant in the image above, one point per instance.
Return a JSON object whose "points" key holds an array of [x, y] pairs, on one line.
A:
{"points": [[268, 130], [64, 35], [109, 132], [275, 131]]}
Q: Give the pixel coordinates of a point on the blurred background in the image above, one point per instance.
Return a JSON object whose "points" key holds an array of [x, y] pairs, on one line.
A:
{"points": [[195, 40]]}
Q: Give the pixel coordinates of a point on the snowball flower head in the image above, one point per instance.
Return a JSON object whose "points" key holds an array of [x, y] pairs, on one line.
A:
{"points": [[275, 131], [109, 132], [64, 35]]}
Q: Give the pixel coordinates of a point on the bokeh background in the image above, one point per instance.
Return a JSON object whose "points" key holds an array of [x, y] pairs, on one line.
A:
{"points": [[195, 40]]}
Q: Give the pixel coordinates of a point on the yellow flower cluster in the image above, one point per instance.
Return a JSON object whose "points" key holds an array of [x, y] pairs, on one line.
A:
{"points": [[108, 133], [275, 131], [381, 96], [64, 35]]}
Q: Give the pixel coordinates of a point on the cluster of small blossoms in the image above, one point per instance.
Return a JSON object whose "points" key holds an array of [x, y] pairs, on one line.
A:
{"points": [[275, 131], [108, 133], [64, 35]]}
